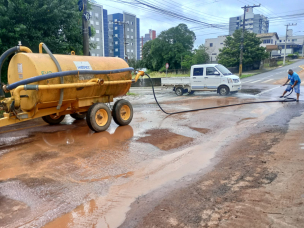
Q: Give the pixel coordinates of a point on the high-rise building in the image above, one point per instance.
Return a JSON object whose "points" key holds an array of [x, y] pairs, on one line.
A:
{"points": [[99, 20], [255, 23], [124, 38], [149, 36]]}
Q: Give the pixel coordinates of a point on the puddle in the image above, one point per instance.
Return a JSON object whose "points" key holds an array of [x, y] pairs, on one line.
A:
{"points": [[251, 91], [244, 119], [164, 139], [69, 150]]}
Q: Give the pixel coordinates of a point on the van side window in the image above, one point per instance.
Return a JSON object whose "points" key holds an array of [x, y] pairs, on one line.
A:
{"points": [[210, 71], [198, 71]]}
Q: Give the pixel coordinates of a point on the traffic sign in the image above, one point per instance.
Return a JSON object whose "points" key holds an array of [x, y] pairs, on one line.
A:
{"points": [[167, 65]]}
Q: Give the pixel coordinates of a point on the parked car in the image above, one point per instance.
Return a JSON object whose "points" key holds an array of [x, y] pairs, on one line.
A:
{"points": [[205, 77]]}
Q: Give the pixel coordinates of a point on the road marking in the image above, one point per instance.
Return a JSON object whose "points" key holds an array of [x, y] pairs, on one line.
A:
{"points": [[267, 90], [268, 80], [256, 81]]}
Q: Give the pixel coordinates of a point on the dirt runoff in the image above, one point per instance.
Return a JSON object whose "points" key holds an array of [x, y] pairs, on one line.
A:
{"points": [[257, 183]]}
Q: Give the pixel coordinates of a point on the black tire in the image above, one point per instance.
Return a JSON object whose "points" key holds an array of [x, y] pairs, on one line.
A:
{"points": [[53, 119], [101, 112], [192, 92], [122, 112], [79, 116], [179, 91], [223, 90]]}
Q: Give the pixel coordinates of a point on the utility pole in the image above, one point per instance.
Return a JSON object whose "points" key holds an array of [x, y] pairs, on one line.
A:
{"points": [[124, 38], [85, 28], [286, 40], [242, 37]]}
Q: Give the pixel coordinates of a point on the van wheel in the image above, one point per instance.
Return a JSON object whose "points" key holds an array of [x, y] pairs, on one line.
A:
{"points": [[223, 90], [122, 112], [179, 91], [78, 116], [53, 119], [99, 117]]}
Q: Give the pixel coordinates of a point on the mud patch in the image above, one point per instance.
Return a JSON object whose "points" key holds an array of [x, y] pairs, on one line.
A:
{"points": [[164, 139], [10, 209], [201, 130]]}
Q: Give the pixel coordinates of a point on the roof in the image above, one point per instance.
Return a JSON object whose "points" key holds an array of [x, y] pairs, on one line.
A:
{"points": [[206, 65], [264, 35]]}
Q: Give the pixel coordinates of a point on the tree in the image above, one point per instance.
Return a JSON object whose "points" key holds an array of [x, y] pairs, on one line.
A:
{"points": [[199, 56], [136, 64], [57, 23], [169, 47], [230, 54]]}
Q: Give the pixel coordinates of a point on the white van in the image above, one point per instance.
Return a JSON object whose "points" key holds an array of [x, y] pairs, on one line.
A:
{"points": [[205, 77]]}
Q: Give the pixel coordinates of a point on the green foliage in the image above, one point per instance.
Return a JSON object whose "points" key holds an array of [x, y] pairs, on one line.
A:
{"points": [[169, 47], [57, 23], [230, 54], [199, 56], [136, 64]]}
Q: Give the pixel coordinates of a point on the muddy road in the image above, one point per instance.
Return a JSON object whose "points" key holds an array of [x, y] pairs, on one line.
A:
{"points": [[232, 167]]}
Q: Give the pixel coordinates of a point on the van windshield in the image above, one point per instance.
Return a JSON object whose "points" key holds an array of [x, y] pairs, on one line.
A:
{"points": [[223, 70]]}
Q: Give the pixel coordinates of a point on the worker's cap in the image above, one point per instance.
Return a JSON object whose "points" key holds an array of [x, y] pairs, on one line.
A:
{"points": [[289, 70]]}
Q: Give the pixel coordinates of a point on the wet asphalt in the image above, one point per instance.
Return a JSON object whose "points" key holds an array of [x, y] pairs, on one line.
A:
{"points": [[69, 176]]}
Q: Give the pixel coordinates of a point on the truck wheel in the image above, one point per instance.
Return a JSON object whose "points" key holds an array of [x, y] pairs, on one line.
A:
{"points": [[78, 116], [99, 117], [53, 119], [223, 90], [179, 91], [122, 112]]}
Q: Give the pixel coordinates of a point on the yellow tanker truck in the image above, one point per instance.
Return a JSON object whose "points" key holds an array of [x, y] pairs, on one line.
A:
{"points": [[52, 86]]}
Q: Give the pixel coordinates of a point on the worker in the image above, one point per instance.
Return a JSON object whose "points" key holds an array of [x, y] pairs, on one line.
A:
{"points": [[295, 82]]}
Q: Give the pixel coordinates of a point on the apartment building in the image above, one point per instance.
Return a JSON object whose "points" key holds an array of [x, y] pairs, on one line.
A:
{"points": [[123, 36], [255, 23], [99, 20]]}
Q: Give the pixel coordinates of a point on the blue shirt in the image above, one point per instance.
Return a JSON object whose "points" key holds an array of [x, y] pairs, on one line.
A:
{"points": [[294, 77]]}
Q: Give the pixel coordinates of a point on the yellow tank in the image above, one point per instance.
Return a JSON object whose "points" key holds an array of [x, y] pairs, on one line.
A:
{"points": [[27, 65]]}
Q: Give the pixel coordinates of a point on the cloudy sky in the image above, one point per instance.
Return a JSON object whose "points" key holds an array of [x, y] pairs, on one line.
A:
{"points": [[211, 12]]}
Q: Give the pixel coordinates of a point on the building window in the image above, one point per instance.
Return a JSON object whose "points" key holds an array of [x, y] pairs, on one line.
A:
{"points": [[116, 42], [294, 40], [280, 41], [115, 20], [132, 50], [97, 23], [92, 38], [131, 30], [211, 45], [97, 31], [238, 18], [115, 28], [128, 29], [91, 13], [128, 50], [128, 36], [221, 43], [116, 35], [131, 37], [131, 22], [92, 54], [97, 54], [96, 15], [98, 47], [111, 51], [97, 39], [128, 22], [92, 22], [131, 44], [116, 49]]}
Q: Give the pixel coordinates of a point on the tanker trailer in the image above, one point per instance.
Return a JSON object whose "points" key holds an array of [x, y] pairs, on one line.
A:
{"points": [[52, 86]]}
